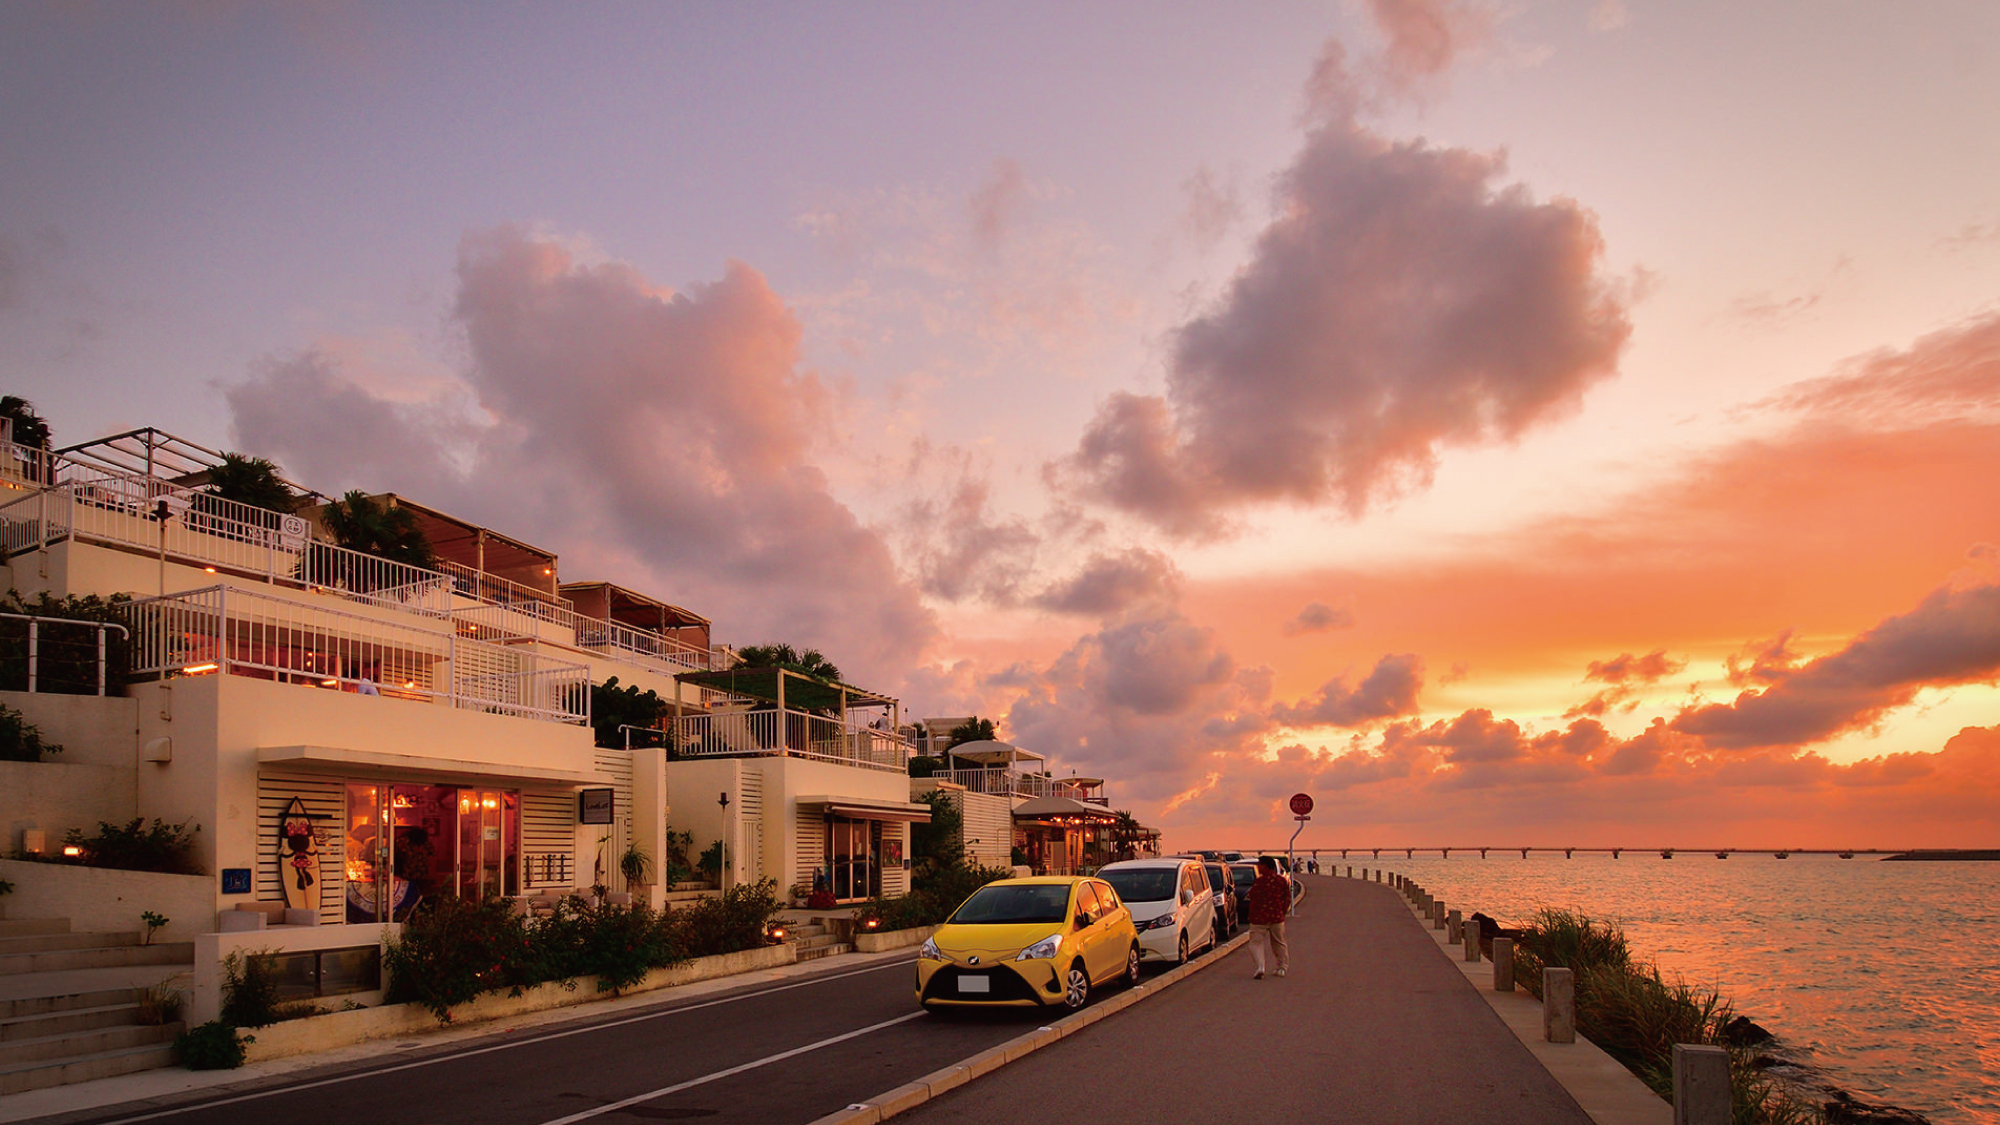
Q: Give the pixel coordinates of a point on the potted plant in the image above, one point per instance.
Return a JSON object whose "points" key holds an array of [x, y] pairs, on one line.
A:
{"points": [[635, 865]]}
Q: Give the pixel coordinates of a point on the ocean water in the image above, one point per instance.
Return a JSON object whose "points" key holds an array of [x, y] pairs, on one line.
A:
{"points": [[1885, 976]]}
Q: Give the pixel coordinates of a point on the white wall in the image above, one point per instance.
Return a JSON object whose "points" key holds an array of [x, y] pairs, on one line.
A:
{"points": [[100, 900], [93, 730], [57, 796]]}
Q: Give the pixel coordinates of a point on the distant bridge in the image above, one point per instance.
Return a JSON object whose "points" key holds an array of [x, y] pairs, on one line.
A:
{"points": [[1571, 852]]}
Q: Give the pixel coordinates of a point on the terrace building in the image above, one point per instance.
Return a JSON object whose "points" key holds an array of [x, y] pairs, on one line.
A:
{"points": [[354, 735]]}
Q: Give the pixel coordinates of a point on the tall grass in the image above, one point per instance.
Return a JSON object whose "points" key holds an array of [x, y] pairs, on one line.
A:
{"points": [[1628, 1008]]}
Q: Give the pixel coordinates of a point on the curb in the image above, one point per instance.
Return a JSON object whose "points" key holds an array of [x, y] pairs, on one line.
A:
{"points": [[910, 1095]]}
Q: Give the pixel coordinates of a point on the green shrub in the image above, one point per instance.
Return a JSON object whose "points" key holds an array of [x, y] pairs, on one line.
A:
{"points": [[211, 1046], [65, 655], [135, 846], [21, 740], [249, 992], [932, 901], [732, 922], [711, 862], [452, 950]]}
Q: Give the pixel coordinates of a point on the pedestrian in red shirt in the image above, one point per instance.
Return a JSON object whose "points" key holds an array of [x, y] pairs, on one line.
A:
{"points": [[1270, 902]]}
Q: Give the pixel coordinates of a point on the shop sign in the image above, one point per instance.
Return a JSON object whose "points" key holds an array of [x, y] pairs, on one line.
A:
{"points": [[593, 806]]}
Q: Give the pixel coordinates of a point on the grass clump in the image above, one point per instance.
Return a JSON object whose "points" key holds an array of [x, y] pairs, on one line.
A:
{"points": [[1636, 1014]]}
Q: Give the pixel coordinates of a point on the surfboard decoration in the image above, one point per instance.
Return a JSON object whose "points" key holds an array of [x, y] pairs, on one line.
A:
{"points": [[298, 858]]}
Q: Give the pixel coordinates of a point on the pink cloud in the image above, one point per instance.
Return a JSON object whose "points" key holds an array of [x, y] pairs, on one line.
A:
{"points": [[1404, 301], [669, 435]]}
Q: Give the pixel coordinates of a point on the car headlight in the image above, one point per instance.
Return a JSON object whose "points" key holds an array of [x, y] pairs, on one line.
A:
{"points": [[1042, 950], [1161, 923], [929, 951]]}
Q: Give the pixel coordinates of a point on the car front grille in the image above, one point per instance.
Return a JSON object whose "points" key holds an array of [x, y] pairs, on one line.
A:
{"points": [[1007, 985]]}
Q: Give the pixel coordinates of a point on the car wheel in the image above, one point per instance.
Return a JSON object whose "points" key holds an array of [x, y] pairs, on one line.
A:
{"points": [[1132, 967], [1076, 987], [1184, 949]]}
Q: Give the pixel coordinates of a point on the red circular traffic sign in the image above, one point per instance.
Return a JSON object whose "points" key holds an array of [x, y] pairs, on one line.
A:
{"points": [[1302, 804]]}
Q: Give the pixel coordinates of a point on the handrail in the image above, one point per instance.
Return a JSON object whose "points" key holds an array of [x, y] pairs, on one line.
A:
{"points": [[788, 733], [34, 643]]}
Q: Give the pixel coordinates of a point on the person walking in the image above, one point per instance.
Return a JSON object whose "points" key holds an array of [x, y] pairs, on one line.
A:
{"points": [[1270, 902]]}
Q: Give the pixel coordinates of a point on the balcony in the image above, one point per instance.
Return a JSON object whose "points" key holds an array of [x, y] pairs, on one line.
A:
{"points": [[232, 631], [763, 712], [1013, 783], [94, 505]]}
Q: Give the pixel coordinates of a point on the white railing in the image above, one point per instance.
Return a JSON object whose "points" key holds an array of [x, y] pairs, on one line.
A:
{"points": [[732, 734], [531, 620], [244, 632], [51, 643], [627, 642], [1010, 783], [103, 507], [495, 590]]}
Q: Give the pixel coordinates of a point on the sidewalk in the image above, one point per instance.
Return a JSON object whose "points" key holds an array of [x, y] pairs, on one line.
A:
{"points": [[1372, 1025]]}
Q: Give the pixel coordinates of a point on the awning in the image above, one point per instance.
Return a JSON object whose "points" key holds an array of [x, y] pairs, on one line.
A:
{"points": [[372, 763], [1044, 808], [863, 808], [992, 752]]}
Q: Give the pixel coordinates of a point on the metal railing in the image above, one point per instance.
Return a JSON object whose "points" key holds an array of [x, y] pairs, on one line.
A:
{"points": [[1012, 783], [205, 530], [492, 589], [40, 651], [235, 631], [617, 641], [735, 734]]}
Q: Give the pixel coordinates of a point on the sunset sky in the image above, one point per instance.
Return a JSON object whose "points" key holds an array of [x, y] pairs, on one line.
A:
{"points": [[1548, 423]]}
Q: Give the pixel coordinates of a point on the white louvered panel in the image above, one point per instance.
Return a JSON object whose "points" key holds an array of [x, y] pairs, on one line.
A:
{"points": [[750, 783], [615, 763], [326, 803], [988, 831], [548, 828], [810, 828], [895, 880]]}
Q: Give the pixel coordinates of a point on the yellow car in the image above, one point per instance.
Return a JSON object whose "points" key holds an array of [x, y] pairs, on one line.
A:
{"points": [[1021, 942]]}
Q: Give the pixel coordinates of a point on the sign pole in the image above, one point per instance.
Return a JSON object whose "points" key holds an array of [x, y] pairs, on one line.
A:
{"points": [[1302, 807]]}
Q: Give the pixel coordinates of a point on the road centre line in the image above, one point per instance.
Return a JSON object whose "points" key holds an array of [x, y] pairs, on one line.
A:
{"points": [[734, 1070], [455, 1055]]}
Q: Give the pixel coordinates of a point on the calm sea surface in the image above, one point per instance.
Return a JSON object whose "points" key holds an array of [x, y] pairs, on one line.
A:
{"points": [[1884, 975]]}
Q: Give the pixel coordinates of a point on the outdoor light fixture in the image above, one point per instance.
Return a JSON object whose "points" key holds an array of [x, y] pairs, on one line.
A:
{"points": [[198, 669], [775, 933], [72, 850], [329, 682], [724, 799]]}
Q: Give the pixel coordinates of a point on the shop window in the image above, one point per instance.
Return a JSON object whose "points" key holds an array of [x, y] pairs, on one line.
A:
{"points": [[310, 974]]}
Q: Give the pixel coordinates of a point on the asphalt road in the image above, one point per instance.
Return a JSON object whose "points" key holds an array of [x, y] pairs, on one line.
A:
{"points": [[1371, 1027], [776, 1054]]}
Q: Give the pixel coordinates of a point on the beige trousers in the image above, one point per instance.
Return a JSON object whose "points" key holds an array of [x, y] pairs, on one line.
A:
{"points": [[1272, 936]]}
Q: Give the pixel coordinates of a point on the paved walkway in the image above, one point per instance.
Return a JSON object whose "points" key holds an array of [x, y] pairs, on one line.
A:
{"points": [[1373, 1025]]}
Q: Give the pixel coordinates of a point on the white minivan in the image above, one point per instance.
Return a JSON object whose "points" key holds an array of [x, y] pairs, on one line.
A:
{"points": [[1172, 906]]}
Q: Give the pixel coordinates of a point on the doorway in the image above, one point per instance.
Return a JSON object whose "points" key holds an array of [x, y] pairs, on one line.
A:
{"points": [[854, 850]]}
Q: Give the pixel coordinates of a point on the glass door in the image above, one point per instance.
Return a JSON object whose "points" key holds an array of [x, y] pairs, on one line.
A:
{"points": [[488, 843]]}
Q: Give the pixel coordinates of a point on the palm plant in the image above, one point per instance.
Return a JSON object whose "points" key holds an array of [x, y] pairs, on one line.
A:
{"points": [[358, 523], [974, 729], [809, 661], [253, 481]]}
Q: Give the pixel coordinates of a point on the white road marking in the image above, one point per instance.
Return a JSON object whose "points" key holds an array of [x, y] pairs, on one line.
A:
{"points": [[435, 1060], [734, 1070]]}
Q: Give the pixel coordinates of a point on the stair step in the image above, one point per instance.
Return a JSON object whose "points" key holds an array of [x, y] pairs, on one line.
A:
{"points": [[809, 929], [62, 1072], [49, 943], [817, 952], [95, 1041], [818, 941], [43, 1024], [64, 960], [66, 1002], [26, 927]]}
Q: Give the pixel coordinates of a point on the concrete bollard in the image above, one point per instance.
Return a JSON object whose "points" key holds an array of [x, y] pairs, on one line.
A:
{"points": [[1350, 871], [1503, 964], [1471, 941], [1558, 1005], [1701, 1085], [1437, 915], [1454, 927]]}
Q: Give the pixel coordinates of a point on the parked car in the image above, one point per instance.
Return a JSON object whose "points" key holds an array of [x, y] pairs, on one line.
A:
{"points": [[1242, 876], [1172, 907], [1224, 886], [1051, 940]]}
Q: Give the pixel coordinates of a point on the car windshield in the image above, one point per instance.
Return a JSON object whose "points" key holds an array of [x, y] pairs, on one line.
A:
{"points": [[1014, 903], [1143, 884], [1244, 875], [1215, 882]]}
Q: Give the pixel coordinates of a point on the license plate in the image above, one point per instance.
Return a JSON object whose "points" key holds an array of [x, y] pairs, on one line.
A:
{"points": [[974, 984]]}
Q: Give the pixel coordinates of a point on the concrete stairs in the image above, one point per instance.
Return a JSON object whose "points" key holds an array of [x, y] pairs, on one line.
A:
{"points": [[71, 1005], [818, 939]]}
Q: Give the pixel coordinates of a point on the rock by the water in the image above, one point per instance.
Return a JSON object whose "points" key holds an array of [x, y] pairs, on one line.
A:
{"points": [[1742, 1032], [1846, 1109]]}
